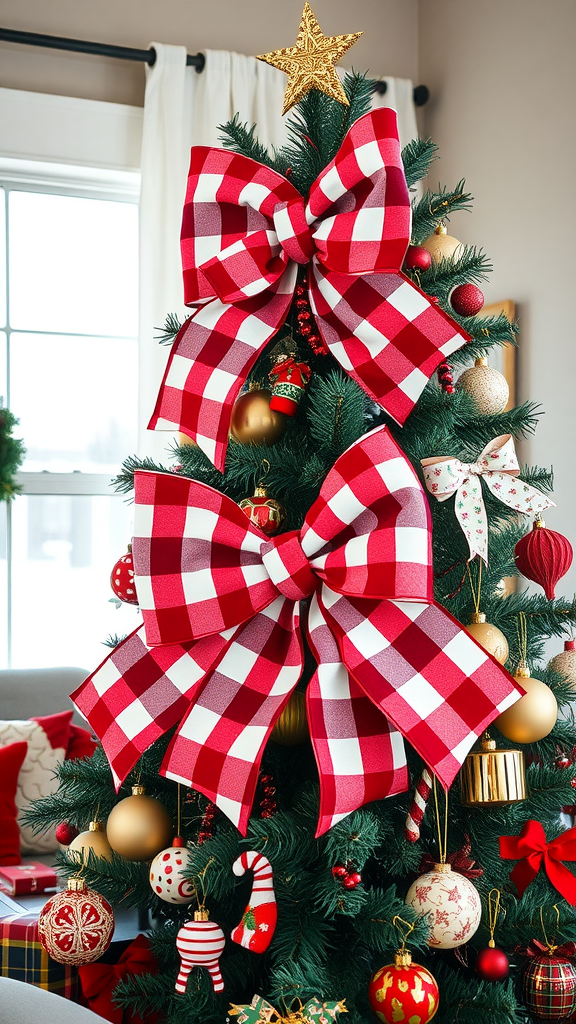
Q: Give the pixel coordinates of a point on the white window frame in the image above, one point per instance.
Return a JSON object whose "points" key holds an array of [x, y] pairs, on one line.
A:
{"points": [[67, 146]]}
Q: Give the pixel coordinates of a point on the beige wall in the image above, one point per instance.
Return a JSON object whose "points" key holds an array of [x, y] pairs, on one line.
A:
{"points": [[388, 46], [503, 80]]}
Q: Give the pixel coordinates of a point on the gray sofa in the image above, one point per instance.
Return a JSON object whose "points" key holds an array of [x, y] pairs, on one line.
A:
{"points": [[25, 1004], [30, 692]]}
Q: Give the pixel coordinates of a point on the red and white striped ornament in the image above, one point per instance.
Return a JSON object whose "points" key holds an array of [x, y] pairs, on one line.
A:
{"points": [[418, 807], [258, 922], [200, 943]]}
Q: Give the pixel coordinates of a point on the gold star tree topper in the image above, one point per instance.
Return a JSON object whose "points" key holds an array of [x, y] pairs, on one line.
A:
{"points": [[310, 63]]}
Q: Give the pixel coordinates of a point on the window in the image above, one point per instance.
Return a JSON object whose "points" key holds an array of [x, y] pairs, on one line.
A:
{"points": [[68, 371]]}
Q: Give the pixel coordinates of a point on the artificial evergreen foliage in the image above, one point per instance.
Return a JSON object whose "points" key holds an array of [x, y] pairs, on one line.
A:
{"points": [[329, 939], [12, 453]]}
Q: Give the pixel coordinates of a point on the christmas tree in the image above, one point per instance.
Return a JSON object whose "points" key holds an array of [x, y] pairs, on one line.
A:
{"points": [[293, 560]]}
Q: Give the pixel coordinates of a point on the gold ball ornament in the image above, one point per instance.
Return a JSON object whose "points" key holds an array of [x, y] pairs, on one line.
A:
{"points": [[489, 637], [253, 421], [93, 839], [487, 386], [441, 245], [139, 826], [291, 729], [533, 716], [565, 663], [183, 439]]}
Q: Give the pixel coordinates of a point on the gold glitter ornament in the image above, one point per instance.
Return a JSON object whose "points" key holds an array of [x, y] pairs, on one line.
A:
{"points": [[310, 63]]}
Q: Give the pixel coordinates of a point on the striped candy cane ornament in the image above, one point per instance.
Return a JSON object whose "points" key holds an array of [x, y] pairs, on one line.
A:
{"points": [[418, 807], [200, 943], [258, 922]]}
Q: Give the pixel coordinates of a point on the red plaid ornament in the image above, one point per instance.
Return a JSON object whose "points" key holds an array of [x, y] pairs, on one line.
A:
{"points": [[245, 230], [224, 600]]}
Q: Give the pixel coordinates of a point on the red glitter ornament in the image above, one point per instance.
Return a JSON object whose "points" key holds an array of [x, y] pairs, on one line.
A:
{"points": [[543, 556], [122, 579], [65, 833], [467, 300]]}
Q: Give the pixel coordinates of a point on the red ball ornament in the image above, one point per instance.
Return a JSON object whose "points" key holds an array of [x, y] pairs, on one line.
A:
{"points": [[563, 761], [339, 871], [403, 991], [122, 579], [543, 556], [76, 926], [492, 964], [65, 833], [549, 987], [467, 300], [266, 513], [417, 258]]}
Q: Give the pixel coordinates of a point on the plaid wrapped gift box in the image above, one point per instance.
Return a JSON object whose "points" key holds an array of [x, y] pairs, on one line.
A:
{"points": [[24, 958]]}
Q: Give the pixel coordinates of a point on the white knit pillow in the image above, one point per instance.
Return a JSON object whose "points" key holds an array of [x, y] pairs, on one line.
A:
{"points": [[47, 739]]}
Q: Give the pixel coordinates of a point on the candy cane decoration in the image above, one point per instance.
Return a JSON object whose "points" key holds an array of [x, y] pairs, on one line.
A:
{"points": [[418, 807], [200, 943], [258, 922]]}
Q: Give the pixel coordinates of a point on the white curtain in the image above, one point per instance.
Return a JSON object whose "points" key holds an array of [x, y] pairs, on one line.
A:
{"points": [[183, 108]]}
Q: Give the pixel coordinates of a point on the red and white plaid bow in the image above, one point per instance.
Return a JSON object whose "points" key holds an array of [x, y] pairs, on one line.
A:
{"points": [[246, 230], [220, 650], [497, 466]]}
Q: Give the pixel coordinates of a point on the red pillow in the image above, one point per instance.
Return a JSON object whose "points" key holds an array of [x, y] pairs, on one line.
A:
{"points": [[11, 760], [80, 743]]}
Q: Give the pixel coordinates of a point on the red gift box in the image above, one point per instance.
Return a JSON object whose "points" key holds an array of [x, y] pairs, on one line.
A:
{"points": [[18, 879], [23, 958]]}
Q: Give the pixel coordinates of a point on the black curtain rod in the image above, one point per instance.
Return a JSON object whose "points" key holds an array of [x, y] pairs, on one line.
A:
{"points": [[195, 60]]}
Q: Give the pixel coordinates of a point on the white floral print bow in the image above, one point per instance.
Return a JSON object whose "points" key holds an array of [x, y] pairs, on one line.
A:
{"points": [[497, 465]]}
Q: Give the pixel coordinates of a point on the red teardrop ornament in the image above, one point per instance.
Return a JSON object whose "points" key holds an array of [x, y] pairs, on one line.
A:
{"points": [[543, 556]]}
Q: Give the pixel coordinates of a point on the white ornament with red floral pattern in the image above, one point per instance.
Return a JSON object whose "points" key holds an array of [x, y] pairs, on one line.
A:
{"points": [[450, 901], [76, 926], [166, 873]]}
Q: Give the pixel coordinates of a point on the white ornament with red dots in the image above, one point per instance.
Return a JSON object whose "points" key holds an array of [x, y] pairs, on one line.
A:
{"points": [[166, 873], [451, 903]]}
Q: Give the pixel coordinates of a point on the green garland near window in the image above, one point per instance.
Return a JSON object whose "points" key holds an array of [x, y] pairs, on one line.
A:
{"points": [[11, 455]]}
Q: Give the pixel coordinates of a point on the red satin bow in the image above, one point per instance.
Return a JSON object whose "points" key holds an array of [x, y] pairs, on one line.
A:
{"points": [[246, 230], [100, 980], [530, 849]]}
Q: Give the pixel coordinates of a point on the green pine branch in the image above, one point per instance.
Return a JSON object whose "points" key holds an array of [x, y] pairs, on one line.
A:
{"points": [[435, 207], [168, 332], [12, 452], [417, 159]]}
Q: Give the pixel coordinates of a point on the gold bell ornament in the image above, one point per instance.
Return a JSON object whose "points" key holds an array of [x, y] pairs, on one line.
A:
{"points": [[492, 777], [291, 729], [487, 386], [93, 839], [441, 245], [139, 826]]}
